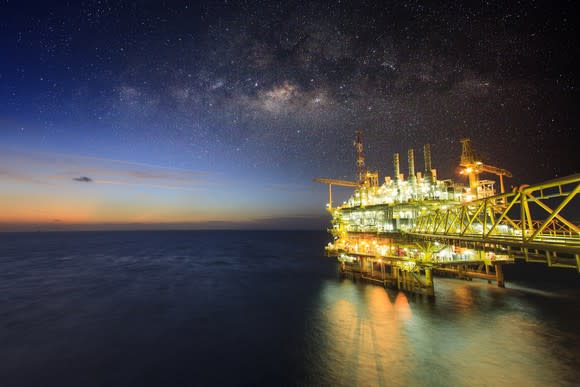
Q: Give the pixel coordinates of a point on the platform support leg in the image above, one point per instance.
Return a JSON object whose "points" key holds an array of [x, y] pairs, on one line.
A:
{"points": [[487, 272], [429, 281], [428, 277], [499, 276]]}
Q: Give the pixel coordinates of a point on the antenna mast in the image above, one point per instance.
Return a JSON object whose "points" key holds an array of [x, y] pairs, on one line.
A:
{"points": [[360, 159]]}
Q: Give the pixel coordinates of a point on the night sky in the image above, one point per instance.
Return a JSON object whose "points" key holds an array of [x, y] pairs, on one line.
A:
{"points": [[171, 114]]}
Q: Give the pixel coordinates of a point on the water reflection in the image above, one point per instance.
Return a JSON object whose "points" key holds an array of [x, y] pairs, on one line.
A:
{"points": [[361, 326], [373, 336], [204, 308]]}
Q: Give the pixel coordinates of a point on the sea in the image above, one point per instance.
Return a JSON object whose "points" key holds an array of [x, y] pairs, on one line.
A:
{"points": [[265, 308]]}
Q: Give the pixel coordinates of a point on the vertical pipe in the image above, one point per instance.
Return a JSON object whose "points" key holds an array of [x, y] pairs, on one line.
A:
{"points": [[411, 158], [427, 158], [396, 168], [412, 177]]}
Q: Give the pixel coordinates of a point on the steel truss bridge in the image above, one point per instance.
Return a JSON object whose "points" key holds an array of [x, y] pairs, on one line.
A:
{"points": [[532, 223]]}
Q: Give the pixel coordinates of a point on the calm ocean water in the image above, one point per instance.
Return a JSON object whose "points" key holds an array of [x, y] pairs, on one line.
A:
{"points": [[263, 308]]}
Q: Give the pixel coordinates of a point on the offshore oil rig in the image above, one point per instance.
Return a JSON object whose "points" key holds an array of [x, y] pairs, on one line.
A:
{"points": [[401, 232]]}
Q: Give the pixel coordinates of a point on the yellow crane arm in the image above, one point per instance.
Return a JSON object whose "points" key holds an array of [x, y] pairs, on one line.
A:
{"points": [[494, 170]]}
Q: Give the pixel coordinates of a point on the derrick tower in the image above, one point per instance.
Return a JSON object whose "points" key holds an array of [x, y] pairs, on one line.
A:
{"points": [[360, 159]]}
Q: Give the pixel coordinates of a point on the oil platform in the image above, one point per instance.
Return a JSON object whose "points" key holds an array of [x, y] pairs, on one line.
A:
{"points": [[402, 231]]}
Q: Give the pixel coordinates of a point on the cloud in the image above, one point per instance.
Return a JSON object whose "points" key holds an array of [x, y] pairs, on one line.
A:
{"points": [[83, 179], [50, 168]]}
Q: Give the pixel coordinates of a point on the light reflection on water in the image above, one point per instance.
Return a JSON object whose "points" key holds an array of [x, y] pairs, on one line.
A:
{"points": [[260, 308], [471, 334]]}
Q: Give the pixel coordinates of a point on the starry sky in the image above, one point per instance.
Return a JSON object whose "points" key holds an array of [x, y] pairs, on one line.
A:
{"points": [[218, 114]]}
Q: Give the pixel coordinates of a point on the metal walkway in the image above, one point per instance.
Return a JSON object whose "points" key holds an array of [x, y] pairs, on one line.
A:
{"points": [[532, 223]]}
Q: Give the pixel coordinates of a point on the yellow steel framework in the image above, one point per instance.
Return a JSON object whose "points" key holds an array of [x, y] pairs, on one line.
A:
{"points": [[531, 222], [401, 232], [472, 167]]}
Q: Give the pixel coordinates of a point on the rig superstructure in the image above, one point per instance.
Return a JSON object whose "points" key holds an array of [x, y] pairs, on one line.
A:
{"points": [[400, 232]]}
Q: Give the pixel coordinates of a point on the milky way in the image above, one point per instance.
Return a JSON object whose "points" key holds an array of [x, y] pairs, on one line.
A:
{"points": [[280, 87]]}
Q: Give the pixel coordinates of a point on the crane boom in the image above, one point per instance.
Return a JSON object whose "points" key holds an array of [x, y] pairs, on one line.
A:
{"points": [[495, 170], [331, 182], [340, 183], [472, 167]]}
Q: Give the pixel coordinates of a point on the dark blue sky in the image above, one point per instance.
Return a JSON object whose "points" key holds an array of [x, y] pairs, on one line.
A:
{"points": [[259, 97]]}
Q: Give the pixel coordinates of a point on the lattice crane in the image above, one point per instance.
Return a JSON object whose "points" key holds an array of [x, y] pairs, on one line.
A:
{"points": [[361, 170], [472, 167]]}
